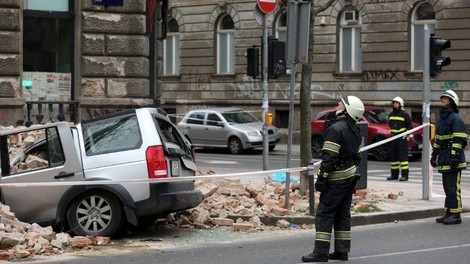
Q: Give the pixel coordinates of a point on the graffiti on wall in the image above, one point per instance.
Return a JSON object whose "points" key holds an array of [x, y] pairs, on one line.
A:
{"points": [[386, 75], [198, 82]]}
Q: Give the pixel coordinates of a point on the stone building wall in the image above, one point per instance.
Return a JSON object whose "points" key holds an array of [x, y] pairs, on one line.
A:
{"points": [[117, 60], [11, 61], [385, 58]]}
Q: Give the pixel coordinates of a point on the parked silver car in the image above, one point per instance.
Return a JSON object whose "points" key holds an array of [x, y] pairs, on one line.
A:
{"points": [[129, 147], [231, 128]]}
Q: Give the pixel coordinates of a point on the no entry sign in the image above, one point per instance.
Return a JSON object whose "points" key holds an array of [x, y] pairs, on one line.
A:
{"points": [[267, 6]]}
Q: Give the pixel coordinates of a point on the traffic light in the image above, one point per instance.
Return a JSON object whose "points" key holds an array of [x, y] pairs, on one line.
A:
{"points": [[276, 58], [437, 45], [252, 62]]}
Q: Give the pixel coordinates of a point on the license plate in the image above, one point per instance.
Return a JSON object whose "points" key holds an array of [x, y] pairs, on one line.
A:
{"points": [[175, 168]]}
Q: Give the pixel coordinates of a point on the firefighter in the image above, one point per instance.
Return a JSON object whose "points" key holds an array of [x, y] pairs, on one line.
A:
{"points": [[336, 180], [449, 157], [400, 122]]}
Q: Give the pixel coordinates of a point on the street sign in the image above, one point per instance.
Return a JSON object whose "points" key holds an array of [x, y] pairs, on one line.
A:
{"points": [[260, 16], [267, 6]]}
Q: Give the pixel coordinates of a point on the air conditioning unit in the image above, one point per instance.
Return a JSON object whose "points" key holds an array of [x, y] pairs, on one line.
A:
{"points": [[351, 17]]}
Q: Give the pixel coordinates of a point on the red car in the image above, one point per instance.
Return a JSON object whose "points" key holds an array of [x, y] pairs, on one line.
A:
{"points": [[378, 129]]}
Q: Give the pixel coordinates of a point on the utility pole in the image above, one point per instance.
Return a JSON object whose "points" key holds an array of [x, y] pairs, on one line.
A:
{"points": [[426, 114]]}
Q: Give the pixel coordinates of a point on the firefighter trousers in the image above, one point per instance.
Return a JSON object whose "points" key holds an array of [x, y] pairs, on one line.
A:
{"points": [[399, 158], [334, 212], [451, 184]]}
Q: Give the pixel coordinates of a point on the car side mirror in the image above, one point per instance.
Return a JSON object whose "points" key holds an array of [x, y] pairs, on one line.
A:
{"points": [[220, 124]]}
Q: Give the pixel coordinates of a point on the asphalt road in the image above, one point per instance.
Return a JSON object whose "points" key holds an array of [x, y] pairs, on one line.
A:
{"points": [[419, 242], [221, 162]]}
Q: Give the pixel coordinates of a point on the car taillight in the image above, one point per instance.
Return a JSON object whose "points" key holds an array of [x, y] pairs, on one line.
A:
{"points": [[156, 163]]}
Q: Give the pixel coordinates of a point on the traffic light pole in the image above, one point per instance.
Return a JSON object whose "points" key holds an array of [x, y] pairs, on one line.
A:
{"points": [[426, 115], [265, 93]]}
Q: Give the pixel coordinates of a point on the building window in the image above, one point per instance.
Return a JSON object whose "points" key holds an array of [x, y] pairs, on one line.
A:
{"points": [[48, 36], [423, 14], [225, 45], [47, 5], [281, 27], [171, 49], [350, 59]]}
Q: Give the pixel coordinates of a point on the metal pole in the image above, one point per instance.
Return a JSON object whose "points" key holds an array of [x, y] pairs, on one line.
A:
{"points": [[291, 115], [265, 93], [426, 114]]}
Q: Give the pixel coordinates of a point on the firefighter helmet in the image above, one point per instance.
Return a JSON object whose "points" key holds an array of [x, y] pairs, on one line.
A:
{"points": [[452, 95], [354, 107], [398, 99]]}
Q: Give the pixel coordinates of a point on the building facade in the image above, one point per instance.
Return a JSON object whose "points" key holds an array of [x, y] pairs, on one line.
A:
{"points": [[92, 59], [72, 60], [369, 48]]}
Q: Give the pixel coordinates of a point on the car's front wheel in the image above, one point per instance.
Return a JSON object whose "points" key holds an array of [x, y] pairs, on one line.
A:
{"points": [[96, 214], [235, 146], [381, 152], [317, 145]]}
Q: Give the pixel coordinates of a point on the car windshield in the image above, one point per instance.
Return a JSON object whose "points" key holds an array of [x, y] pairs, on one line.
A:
{"points": [[377, 116], [239, 117]]}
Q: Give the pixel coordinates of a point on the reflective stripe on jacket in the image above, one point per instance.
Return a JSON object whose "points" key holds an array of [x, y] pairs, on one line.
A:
{"points": [[451, 140], [399, 121], [340, 152]]}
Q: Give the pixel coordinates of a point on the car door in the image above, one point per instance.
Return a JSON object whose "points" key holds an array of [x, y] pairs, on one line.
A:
{"points": [[51, 159], [195, 128], [216, 130]]}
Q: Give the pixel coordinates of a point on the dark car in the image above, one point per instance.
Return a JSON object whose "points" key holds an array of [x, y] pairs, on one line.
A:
{"points": [[378, 129]]}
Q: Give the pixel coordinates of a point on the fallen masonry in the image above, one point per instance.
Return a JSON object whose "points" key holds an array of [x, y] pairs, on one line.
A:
{"points": [[20, 240], [250, 207]]}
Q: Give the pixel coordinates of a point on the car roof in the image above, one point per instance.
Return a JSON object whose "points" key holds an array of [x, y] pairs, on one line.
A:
{"points": [[217, 109], [366, 108]]}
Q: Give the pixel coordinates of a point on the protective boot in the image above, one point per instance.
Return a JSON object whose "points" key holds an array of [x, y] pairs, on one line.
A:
{"points": [[444, 217], [315, 257], [453, 219], [404, 175], [394, 176], [339, 255]]}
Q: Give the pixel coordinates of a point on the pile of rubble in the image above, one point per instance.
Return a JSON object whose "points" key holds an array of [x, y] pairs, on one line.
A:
{"points": [[20, 240], [228, 202]]}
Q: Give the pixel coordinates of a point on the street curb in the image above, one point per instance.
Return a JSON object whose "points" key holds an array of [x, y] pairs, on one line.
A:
{"points": [[357, 220]]}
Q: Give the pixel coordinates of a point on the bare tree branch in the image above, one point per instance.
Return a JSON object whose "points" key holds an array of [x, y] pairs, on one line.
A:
{"points": [[323, 7]]}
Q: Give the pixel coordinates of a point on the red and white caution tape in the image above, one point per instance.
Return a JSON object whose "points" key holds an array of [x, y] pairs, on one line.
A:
{"points": [[192, 178]]}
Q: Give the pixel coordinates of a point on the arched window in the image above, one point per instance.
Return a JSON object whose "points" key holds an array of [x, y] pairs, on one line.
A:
{"points": [[225, 45], [423, 14], [281, 27], [171, 49], [350, 59]]}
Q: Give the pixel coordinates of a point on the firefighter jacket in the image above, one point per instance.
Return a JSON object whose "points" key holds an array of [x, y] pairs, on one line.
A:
{"points": [[451, 140], [399, 121], [340, 152]]}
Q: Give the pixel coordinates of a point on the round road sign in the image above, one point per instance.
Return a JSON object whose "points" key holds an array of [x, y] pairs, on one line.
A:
{"points": [[267, 6]]}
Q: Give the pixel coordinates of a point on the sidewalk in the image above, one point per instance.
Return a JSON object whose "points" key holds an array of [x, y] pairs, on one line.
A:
{"points": [[409, 206]]}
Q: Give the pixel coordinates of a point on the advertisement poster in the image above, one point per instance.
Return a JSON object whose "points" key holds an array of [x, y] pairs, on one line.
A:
{"points": [[47, 86]]}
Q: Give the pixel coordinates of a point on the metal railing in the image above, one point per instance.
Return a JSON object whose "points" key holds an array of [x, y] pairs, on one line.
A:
{"points": [[39, 112]]}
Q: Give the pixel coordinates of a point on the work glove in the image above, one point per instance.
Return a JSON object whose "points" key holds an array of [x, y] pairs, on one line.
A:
{"points": [[321, 183], [433, 161], [454, 160], [454, 163]]}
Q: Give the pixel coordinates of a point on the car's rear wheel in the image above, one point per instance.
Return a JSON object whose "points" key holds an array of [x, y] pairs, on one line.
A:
{"points": [[381, 152], [317, 145], [95, 214], [235, 145]]}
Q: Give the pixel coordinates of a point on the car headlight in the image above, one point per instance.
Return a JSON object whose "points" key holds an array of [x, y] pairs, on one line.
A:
{"points": [[253, 133]]}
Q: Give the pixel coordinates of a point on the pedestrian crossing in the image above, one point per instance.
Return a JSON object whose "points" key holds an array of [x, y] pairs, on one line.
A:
{"points": [[415, 175]]}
